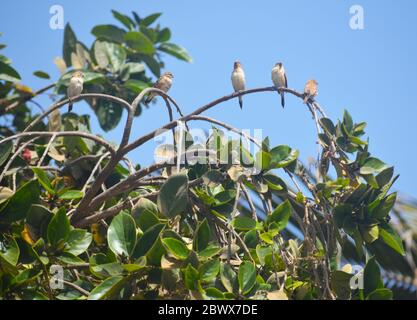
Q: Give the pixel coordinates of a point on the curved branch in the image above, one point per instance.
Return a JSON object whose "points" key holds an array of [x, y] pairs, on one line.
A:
{"points": [[85, 135], [138, 142], [81, 96]]}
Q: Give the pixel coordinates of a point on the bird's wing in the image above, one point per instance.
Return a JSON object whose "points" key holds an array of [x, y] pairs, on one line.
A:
{"points": [[285, 80]]}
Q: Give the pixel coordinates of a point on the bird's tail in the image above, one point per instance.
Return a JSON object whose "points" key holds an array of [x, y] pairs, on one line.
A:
{"points": [[240, 102], [282, 99], [70, 107]]}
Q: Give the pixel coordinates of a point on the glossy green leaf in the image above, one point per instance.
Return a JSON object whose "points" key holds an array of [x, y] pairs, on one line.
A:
{"points": [[124, 19], [282, 156], [9, 251], [372, 276], [191, 278], [44, 180], [107, 288], [201, 236], [147, 241], [19, 204], [121, 235], [246, 277], [281, 215], [147, 21], [139, 42], [228, 278], [70, 44], [380, 294], [7, 73], [243, 223], [78, 241], [109, 32], [145, 214], [42, 75], [388, 235], [58, 228], [108, 114], [176, 247], [71, 195], [209, 270], [176, 51], [173, 196], [372, 166]]}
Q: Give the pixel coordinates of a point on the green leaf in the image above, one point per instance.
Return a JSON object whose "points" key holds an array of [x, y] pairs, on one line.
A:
{"points": [[136, 86], [173, 196], [372, 277], [70, 44], [78, 241], [191, 278], [228, 278], [263, 160], [109, 32], [176, 247], [109, 55], [209, 270], [176, 51], [121, 235], [139, 42], [147, 21], [388, 235], [5, 150], [328, 125], [246, 276], [210, 251], [42, 75], [164, 35], [152, 64], [58, 228], [19, 204], [347, 121], [7, 73], [70, 259], [9, 251], [380, 294], [44, 180], [107, 288], [108, 114], [243, 223], [145, 214], [370, 234], [147, 241], [282, 156], [71, 195], [372, 166], [385, 206], [124, 19], [281, 215], [201, 236]]}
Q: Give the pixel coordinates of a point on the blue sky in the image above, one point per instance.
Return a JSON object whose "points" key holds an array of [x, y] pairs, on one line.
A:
{"points": [[370, 72]]}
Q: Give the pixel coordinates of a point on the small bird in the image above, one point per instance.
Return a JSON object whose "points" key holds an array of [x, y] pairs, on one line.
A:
{"points": [[279, 79], [164, 83], [310, 90], [75, 87], [238, 80]]}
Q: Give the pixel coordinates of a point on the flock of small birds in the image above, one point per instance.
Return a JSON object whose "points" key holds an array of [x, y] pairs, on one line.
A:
{"points": [[164, 83]]}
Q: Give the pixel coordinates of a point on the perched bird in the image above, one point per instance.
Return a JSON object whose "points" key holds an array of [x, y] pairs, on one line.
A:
{"points": [[75, 87], [164, 83], [238, 80], [279, 79], [310, 90]]}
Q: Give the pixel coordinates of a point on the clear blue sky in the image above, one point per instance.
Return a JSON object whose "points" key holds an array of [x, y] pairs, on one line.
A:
{"points": [[371, 72]]}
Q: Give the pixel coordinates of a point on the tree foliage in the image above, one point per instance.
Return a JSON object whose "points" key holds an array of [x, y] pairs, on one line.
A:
{"points": [[259, 225]]}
